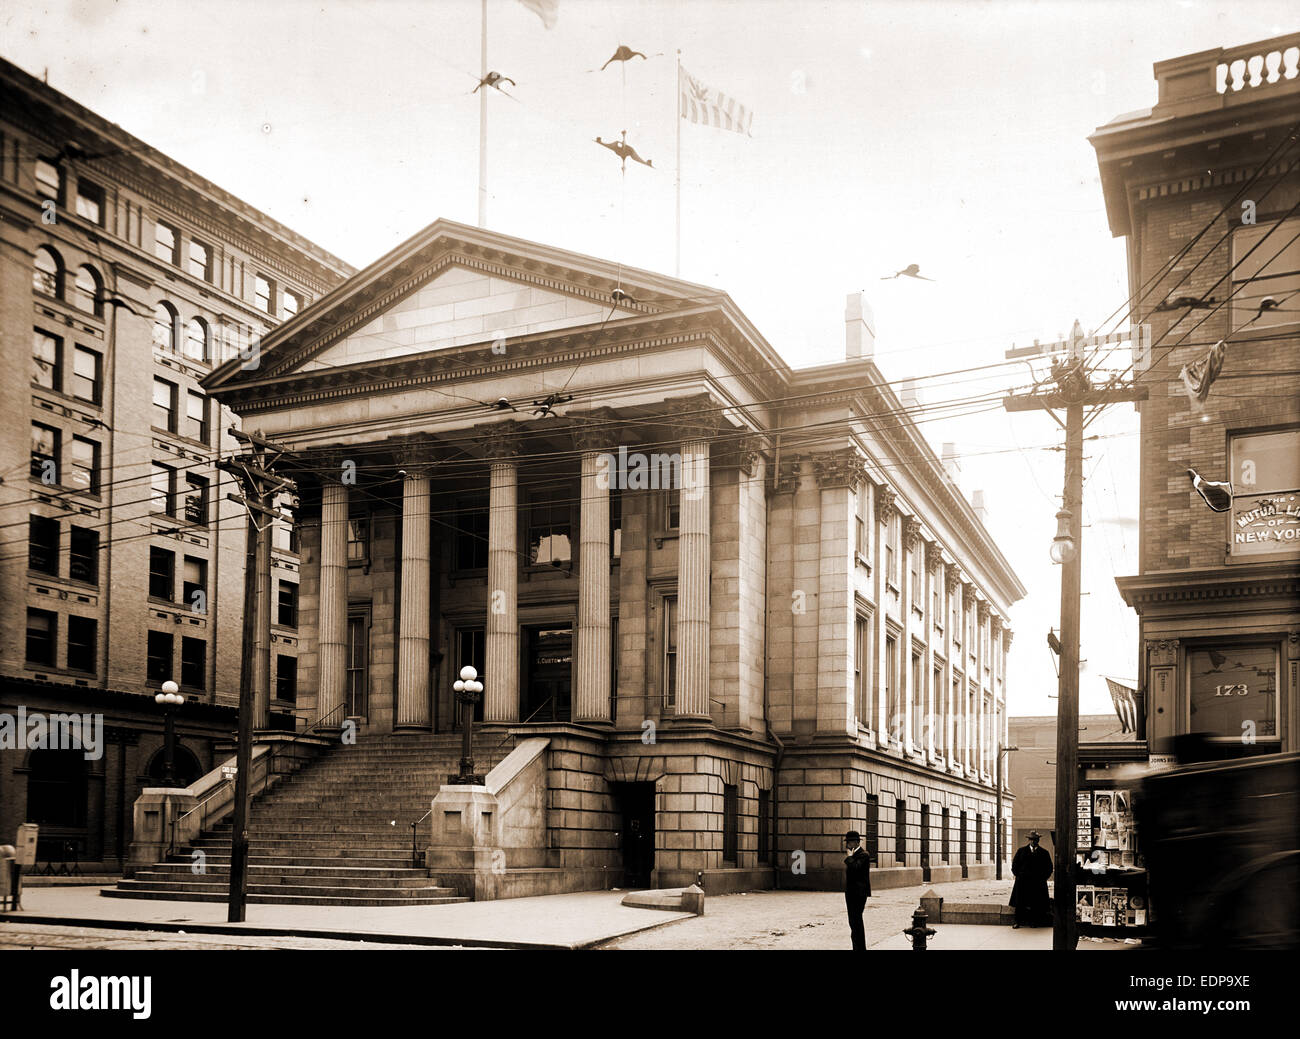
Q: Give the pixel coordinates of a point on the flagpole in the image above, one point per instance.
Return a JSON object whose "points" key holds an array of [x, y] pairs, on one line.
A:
{"points": [[482, 125], [677, 110]]}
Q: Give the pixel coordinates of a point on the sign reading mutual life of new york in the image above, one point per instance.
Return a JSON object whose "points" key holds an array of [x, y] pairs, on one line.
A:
{"points": [[1265, 523], [1266, 493]]}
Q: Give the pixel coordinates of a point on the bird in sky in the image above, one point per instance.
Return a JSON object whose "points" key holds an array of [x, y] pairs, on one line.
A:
{"points": [[622, 54], [624, 151], [1218, 496], [912, 270], [1265, 305], [493, 79]]}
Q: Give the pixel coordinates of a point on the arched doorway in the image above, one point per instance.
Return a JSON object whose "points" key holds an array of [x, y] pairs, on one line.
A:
{"points": [[185, 766]]}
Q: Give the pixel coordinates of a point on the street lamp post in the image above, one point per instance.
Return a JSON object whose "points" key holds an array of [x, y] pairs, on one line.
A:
{"points": [[1001, 851], [169, 699], [468, 689]]}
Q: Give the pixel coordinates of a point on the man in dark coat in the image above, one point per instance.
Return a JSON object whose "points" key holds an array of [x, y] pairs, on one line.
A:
{"points": [[857, 886], [1031, 867]]}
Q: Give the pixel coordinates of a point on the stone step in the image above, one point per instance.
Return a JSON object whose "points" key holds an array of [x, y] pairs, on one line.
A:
{"points": [[269, 880], [291, 868], [286, 898], [347, 860]]}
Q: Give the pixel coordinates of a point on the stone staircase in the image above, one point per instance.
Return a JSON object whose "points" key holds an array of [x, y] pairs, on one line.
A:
{"points": [[336, 833]]}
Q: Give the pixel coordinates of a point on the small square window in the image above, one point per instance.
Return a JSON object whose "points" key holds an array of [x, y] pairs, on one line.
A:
{"points": [[90, 202]]}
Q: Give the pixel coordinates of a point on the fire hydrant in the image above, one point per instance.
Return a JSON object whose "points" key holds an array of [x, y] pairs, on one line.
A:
{"points": [[918, 932]]}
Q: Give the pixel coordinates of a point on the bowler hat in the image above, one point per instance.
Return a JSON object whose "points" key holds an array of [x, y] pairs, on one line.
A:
{"points": [[853, 835], [1034, 835]]}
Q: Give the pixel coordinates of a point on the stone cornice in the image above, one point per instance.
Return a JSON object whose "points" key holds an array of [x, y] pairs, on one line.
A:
{"points": [[1274, 580]]}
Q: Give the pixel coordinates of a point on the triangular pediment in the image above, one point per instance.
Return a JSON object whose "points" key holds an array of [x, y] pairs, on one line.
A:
{"points": [[458, 306]]}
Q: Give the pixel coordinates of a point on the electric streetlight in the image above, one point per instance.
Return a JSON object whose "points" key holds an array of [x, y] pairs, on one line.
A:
{"points": [[1063, 546], [169, 699], [468, 689]]}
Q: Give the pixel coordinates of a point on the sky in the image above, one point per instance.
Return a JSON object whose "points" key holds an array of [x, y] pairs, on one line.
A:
{"points": [[952, 135]]}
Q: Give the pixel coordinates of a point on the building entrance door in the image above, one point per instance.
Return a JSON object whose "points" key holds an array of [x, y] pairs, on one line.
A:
{"points": [[636, 804], [549, 674]]}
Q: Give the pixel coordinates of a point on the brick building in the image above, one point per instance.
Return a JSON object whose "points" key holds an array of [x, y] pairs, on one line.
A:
{"points": [[1218, 593], [731, 609], [126, 278]]}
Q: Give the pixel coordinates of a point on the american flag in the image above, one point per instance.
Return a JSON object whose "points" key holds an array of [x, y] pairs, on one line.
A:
{"points": [[701, 104], [1200, 374], [1125, 700]]}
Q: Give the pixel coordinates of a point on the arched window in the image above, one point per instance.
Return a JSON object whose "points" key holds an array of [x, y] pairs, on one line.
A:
{"points": [[166, 324], [185, 766], [56, 788], [47, 276], [196, 339], [86, 291]]}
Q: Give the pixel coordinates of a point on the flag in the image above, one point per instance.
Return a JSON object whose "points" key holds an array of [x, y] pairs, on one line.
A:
{"points": [[1125, 700], [701, 104], [1200, 374], [547, 10]]}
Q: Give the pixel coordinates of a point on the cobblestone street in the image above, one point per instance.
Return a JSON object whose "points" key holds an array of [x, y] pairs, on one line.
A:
{"points": [[800, 919]]}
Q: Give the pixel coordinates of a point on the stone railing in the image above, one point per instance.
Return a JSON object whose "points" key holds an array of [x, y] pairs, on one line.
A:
{"points": [[1225, 76]]}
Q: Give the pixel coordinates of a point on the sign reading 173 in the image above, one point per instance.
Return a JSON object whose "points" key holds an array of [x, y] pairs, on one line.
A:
{"points": [[1240, 689]]}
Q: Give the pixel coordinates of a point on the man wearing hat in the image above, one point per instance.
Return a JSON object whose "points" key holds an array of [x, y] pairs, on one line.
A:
{"points": [[1031, 867], [857, 885]]}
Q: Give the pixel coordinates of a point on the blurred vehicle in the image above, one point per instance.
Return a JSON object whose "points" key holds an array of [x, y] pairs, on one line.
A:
{"points": [[1222, 847]]}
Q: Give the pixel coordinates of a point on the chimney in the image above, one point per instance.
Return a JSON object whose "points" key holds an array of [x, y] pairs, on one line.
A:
{"points": [[977, 503], [952, 462], [859, 327], [908, 394]]}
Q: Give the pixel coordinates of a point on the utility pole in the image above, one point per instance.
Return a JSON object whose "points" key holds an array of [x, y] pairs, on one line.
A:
{"points": [[1001, 851], [1073, 392], [260, 486]]}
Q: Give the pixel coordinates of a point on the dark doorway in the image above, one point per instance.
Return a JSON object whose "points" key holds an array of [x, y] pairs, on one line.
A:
{"points": [[636, 804], [925, 842], [962, 847], [549, 665]]}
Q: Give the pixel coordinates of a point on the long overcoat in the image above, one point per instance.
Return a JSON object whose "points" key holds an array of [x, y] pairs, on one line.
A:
{"points": [[1031, 867]]}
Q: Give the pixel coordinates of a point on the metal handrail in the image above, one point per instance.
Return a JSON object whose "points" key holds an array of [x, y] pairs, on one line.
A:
{"points": [[415, 855], [508, 735]]}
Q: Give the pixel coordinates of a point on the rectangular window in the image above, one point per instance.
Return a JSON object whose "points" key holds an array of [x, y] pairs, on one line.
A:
{"points": [[43, 545], [670, 652], [196, 499], [871, 838], [918, 699], [471, 535], [970, 728], [45, 453], [42, 635], [549, 533], [286, 678], [158, 656], [917, 594], [615, 523], [84, 563], [359, 541], [87, 375], [358, 663], [90, 202], [163, 489], [285, 533], [862, 543], [862, 670], [194, 584], [891, 687], [162, 571], [290, 303], [979, 837], [287, 617], [47, 361], [730, 823], [81, 643], [955, 596], [936, 597], [1271, 271], [49, 180], [200, 260], [939, 721], [194, 656], [196, 416], [164, 404], [1232, 689], [167, 243], [264, 293], [891, 549], [945, 839], [672, 508], [1265, 470], [84, 472], [955, 744], [900, 831]]}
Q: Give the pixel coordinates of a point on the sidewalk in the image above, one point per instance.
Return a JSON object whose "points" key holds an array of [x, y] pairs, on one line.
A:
{"points": [[547, 922]]}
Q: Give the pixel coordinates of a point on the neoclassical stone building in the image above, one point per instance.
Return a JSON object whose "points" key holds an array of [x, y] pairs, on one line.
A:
{"points": [[742, 605]]}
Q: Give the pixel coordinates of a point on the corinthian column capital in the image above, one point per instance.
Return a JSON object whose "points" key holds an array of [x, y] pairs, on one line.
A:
{"points": [[499, 440], [886, 497], [912, 532], [841, 468], [694, 418]]}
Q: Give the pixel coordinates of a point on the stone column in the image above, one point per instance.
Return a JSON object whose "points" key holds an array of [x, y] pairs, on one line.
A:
{"points": [[593, 649], [693, 557], [952, 589], [838, 474], [886, 498], [501, 641], [933, 563], [968, 650], [333, 600], [915, 697], [981, 618], [413, 705]]}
